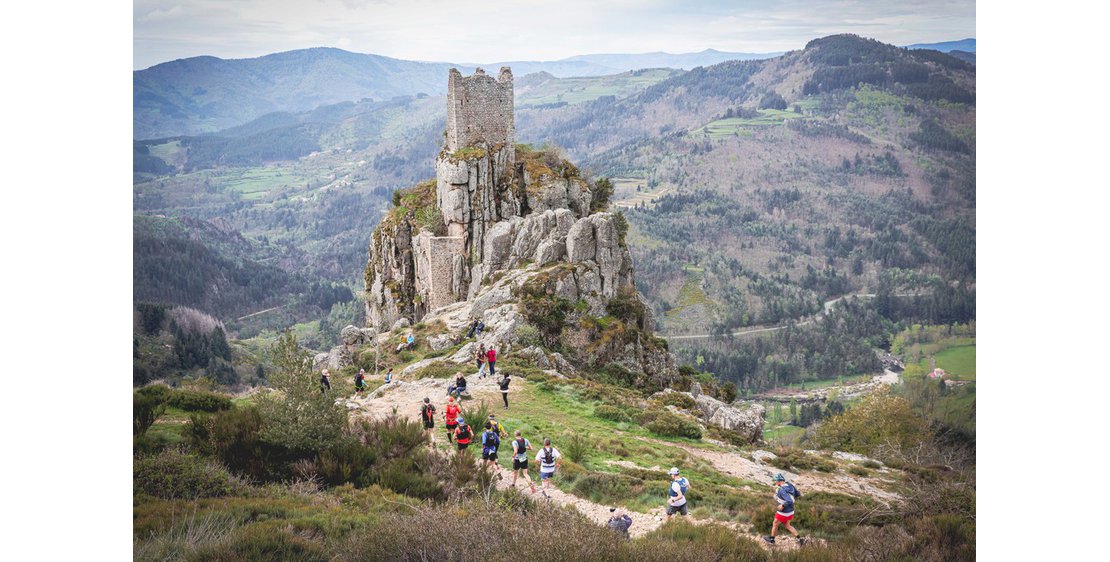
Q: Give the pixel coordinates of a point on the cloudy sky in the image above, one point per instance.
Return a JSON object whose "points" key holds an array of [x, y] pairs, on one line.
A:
{"points": [[488, 31]]}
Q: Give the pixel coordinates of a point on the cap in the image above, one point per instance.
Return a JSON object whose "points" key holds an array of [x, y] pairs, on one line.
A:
{"points": [[462, 421], [779, 478], [673, 470]]}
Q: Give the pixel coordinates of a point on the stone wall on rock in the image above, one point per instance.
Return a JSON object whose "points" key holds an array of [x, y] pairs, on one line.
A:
{"points": [[479, 109]]}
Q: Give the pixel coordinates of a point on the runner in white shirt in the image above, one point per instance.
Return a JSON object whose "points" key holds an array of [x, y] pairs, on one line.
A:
{"points": [[549, 459]]}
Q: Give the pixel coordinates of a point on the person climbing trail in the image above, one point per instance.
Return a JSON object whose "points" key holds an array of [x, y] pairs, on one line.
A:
{"points": [[491, 440], [450, 417], [676, 503], [325, 381], [360, 381], [521, 446], [428, 416], [549, 459], [500, 429], [389, 376], [463, 434], [785, 495], [503, 384]]}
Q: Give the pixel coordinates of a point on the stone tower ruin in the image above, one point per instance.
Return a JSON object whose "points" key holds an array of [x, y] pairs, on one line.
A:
{"points": [[479, 109]]}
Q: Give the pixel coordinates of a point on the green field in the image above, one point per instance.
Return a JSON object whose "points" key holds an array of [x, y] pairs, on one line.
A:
{"points": [[691, 293], [630, 192], [256, 183], [958, 362], [724, 128]]}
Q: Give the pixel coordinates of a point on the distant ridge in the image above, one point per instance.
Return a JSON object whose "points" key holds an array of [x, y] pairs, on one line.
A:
{"points": [[966, 45]]}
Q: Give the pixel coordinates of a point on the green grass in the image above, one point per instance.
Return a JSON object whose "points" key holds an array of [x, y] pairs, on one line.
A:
{"points": [[691, 293], [957, 361], [724, 128], [256, 183], [777, 432]]}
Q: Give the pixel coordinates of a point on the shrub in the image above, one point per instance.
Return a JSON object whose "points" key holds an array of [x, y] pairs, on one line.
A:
{"points": [[795, 459], [264, 542], [145, 410], [711, 542], [234, 437], [607, 488], [877, 420], [858, 470], [872, 464], [577, 445], [668, 424], [613, 413], [199, 401], [437, 370], [603, 192], [172, 474], [678, 400]]}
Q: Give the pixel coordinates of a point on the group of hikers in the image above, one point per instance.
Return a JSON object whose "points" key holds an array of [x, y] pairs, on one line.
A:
{"points": [[548, 457], [460, 433]]}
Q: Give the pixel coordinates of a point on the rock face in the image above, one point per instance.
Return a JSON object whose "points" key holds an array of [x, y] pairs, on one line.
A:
{"points": [[744, 418], [454, 249]]}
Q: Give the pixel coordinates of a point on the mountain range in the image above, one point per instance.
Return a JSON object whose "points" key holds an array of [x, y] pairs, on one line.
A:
{"points": [[205, 94]]}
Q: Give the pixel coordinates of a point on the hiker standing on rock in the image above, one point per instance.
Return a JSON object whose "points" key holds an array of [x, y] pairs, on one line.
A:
{"points": [[676, 503], [491, 358], [549, 459], [521, 446], [785, 494], [504, 385], [428, 416], [450, 418], [481, 360]]}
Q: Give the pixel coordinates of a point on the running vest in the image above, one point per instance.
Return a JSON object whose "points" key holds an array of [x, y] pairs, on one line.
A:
{"points": [[452, 413], [521, 449], [463, 435]]}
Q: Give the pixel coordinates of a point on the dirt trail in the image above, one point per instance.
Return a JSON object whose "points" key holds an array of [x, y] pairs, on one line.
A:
{"points": [[406, 397]]}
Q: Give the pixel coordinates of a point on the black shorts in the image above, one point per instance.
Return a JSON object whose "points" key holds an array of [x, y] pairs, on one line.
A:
{"points": [[462, 446], [519, 464], [428, 424], [673, 509], [491, 456], [452, 426]]}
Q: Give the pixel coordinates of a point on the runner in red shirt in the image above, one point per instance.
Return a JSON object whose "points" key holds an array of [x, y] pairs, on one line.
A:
{"points": [[451, 418]]}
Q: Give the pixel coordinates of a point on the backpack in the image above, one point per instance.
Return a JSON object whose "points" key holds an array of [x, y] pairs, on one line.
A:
{"points": [[464, 432], [491, 440], [520, 446], [682, 485], [504, 384], [428, 412], [549, 456], [794, 491]]}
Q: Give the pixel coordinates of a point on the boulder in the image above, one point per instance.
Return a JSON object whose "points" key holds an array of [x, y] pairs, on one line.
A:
{"points": [[351, 335], [440, 341], [319, 361], [745, 418], [762, 456], [339, 357], [695, 389], [401, 324]]}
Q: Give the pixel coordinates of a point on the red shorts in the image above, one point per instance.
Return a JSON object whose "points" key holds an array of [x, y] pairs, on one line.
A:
{"points": [[783, 518]]}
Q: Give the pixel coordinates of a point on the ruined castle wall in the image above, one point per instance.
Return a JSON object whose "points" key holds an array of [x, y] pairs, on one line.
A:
{"points": [[435, 269], [479, 109]]}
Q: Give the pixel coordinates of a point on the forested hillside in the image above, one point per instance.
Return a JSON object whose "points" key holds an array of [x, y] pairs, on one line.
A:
{"points": [[756, 191]]}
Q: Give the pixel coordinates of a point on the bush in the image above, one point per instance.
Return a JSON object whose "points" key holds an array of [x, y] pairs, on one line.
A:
{"points": [[607, 488], [172, 474], [794, 459], [612, 413], [877, 420], [199, 401], [678, 400], [234, 437], [711, 542], [576, 446], [148, 404], [667, 424], [263, 543]]}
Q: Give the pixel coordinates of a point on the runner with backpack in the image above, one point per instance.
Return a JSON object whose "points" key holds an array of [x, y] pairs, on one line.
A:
{"points": [[450, 418], [490, 442], [521, 446], [785, 495], [549, 459], [500, 429], [676, 503], [360, 381], [463, 434], [428, 416]]}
